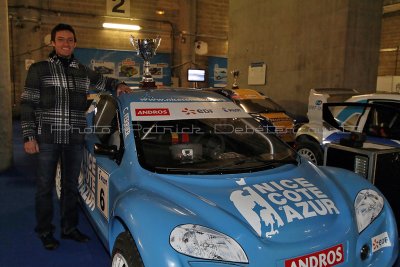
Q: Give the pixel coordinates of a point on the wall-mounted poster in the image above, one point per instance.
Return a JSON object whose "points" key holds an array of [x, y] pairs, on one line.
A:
{"points": [[257, 73], [217, 71], [126, 66]]}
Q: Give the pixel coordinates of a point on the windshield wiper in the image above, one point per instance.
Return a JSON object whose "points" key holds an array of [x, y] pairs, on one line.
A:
{"points": [[255, 159]]}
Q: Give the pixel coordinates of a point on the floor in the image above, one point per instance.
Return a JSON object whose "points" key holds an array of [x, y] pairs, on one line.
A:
{"points": [[19, 245]]}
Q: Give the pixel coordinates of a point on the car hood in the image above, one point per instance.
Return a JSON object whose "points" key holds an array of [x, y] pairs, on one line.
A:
{"points": [[287, 204]]}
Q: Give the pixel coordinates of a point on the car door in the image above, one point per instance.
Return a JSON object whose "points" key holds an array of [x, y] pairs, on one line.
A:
{"points": [[102, 155]]}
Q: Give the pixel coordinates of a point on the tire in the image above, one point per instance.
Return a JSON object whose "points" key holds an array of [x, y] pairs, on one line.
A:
{"points": [[58, 180], [125, 252], [310, 150]]}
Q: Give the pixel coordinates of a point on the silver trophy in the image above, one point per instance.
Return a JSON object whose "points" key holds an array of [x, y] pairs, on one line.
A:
{"points": [[146, 48], [235, 74]]}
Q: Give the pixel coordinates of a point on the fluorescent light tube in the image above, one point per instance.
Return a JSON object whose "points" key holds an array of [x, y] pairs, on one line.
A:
{"points": [[121, 26]]}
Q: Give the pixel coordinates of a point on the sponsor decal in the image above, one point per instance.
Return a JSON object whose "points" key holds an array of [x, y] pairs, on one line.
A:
{"points": [[92, 174], [189, 111], [380, 241], [152, 112], [324, 258], [88, 183], [183, 99], [127, 129], [232, 109], [102, 191], [146, 111], [270, 205]]}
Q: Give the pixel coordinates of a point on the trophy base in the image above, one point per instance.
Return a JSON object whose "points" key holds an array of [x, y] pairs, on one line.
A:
{"points": [[147, 85]]}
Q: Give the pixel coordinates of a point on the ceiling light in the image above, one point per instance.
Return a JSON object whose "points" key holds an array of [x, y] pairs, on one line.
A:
{"points": [[121, 26], [160, 12]]}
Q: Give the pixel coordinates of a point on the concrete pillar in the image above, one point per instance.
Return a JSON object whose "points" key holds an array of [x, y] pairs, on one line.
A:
{"points": [[184, 46], [6, 147], [27, 39]]}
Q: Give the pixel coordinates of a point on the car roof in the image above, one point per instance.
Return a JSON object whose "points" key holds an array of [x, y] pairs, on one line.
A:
{"points": [[334, 91], [375, 96]]}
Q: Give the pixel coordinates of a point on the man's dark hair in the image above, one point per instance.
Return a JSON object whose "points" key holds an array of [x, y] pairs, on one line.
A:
{"points": [[61, 27]]}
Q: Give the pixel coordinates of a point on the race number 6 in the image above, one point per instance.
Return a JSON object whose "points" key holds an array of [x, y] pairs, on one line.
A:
{"points": [[119, 8], [102, 191]]}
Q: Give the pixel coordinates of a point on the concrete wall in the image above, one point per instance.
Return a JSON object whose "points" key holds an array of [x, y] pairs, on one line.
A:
{"points": [[32, 20], [305, 44]]}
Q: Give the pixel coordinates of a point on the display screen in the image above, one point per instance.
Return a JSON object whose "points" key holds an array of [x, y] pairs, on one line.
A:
{"points": [[196, 75]]}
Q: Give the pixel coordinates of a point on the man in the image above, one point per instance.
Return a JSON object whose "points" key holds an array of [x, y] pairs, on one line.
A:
{"points": [[53, 120]]}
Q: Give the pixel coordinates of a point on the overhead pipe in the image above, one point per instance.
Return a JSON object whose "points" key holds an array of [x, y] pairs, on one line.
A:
{"points": [[79, 14]]}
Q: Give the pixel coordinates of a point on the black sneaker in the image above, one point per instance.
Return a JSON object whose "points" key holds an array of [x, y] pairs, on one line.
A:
{"points": [[75, 235], [49, 242]]}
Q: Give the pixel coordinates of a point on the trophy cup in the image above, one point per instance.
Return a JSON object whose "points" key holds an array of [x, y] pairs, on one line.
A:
{"points": [[235, 78], [146, 48]]}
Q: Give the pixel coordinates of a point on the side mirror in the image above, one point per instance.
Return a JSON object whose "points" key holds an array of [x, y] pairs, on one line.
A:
{"points": [[106, 150]]}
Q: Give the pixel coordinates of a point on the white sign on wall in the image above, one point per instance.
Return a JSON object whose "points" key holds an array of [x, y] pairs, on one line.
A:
{"points": [[388, 84], [257, 72], [119, 8]]}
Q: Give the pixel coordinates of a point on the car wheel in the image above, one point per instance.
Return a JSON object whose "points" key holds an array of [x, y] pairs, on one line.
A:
{"points": [[311, 151], [58, 179], [125, 252]]}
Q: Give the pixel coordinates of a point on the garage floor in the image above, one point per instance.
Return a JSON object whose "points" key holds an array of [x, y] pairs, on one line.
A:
{"points": [[19, 245]]}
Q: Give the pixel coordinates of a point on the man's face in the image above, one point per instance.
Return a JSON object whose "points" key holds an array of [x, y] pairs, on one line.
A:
{"points": [[64, 43]]}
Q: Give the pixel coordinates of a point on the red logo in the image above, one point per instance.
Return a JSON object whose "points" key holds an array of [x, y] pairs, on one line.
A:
{"points": [[152, 112], [324, 258], [188, 111]]}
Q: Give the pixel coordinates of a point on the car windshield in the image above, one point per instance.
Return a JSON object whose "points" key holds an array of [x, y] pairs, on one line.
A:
{"points": [[205, 146], [260, 105]]}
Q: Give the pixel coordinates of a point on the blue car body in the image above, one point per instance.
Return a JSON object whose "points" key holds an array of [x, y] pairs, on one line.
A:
{"points": [[290, 215]]}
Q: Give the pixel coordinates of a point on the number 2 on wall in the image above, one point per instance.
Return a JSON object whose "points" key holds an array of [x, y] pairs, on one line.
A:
{"points": [[118, 5], [118, 8]]}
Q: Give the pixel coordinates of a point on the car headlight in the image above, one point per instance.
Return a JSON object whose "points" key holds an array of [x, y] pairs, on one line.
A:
{"points": [[368, 204], [201, 242]]}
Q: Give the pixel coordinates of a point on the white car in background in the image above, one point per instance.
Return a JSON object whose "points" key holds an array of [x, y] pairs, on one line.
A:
{"points": [[311, 137]]}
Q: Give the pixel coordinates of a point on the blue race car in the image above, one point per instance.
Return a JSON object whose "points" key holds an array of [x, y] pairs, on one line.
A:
{"points": [[181, 177]]}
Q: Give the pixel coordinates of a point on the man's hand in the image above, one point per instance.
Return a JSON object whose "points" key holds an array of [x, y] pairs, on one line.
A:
{"points": [[31, 147], [123, 88]]}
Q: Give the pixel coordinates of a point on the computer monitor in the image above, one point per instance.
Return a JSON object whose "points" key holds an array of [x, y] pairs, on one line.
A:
{"points": [[196, 75]]}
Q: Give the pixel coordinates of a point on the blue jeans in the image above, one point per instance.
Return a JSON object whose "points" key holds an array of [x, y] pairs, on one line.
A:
{"points": [[71, 158]]}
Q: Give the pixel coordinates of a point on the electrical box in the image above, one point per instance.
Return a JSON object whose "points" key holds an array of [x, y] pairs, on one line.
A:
{"points": [[379, 164]]}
